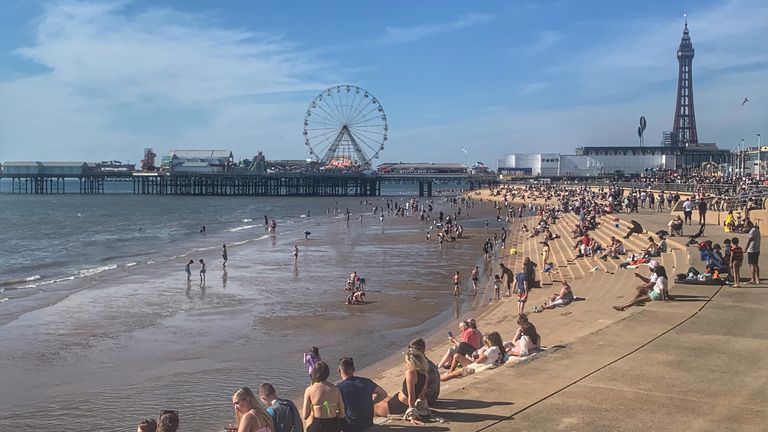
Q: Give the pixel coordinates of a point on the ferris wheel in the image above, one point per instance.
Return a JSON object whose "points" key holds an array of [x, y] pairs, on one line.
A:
{"points": [[345, 126]]}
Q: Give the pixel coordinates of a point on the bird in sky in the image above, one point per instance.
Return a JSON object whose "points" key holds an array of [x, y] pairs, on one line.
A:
{"points": [[745, 101]]}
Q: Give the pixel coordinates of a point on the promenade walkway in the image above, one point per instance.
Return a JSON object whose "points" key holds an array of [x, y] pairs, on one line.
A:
{"points": [[697, 363]]}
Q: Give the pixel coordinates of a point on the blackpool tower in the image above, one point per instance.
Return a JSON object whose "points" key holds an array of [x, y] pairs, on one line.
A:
{"points": [[684, 129]]}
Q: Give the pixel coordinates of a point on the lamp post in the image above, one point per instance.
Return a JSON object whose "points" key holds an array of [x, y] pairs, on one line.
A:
{"points": [[743, 158], [759, 156]]}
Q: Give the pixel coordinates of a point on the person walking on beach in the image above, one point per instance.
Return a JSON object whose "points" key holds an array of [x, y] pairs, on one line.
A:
{"points": [[202, 271], [295, 254], [702, 211], [687, 211], [188, 269], [475, 278], [224, 254], [456, 284]]}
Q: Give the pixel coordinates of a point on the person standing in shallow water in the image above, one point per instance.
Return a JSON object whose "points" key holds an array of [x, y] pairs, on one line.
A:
{"points": [[475, 278], [456, 284], [188, 269], [224, 255], [202, 271]]}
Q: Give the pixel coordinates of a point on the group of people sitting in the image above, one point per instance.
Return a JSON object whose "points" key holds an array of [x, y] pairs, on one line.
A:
{"points": [[473, 352], [736, 224]]}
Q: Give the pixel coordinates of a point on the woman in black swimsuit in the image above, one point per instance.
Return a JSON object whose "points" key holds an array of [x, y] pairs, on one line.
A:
{"points": [[414, 386]]}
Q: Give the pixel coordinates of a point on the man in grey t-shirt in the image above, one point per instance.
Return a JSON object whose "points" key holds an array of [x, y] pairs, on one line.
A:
{"points": [[753, 252]]}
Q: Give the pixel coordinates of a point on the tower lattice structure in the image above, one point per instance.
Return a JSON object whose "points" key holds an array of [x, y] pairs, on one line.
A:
{"points": [[684, 129]]}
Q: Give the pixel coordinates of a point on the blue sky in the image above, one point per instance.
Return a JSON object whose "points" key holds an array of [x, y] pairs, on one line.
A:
{"points": [[82, 80]]}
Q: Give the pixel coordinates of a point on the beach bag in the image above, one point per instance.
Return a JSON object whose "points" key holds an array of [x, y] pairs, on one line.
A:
{"points": [[422, 408], [283, 416]]}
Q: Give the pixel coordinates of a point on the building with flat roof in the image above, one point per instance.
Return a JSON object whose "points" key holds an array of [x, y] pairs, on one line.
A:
{"points": [[44, 168], [680, 149], [198, 161]]}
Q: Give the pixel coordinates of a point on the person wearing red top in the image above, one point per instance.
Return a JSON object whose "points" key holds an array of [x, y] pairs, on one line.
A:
{"points": [[470, 340]]}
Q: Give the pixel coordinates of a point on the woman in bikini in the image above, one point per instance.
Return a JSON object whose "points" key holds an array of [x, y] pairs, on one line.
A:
{"points": [[323, 406], [414, 386], [249, 414]]}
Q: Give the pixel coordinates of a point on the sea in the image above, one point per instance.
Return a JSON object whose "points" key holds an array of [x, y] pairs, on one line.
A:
{"points": [[100, 328]]}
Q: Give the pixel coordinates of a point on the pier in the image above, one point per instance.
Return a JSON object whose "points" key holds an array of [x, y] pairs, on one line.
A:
{"points": [[235, 184]]}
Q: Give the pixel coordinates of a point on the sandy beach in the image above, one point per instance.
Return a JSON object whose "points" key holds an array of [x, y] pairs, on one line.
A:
{"points": [[139, 339]]}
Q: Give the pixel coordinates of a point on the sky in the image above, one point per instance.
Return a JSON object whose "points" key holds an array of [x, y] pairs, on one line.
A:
{"points": [[459, 81]]}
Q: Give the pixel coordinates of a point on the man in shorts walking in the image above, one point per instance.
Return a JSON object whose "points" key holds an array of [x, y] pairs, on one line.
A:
{"points": [[475, 278], [456, 283], [753, 252]]}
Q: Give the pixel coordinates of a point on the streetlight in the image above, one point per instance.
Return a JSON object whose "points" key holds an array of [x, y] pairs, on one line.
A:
{"points": [[759, 158], [743, 158]]}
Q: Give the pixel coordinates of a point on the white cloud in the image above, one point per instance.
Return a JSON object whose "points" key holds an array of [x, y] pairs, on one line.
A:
{"points": [[395, 35], [545, 41], [102, 62]]}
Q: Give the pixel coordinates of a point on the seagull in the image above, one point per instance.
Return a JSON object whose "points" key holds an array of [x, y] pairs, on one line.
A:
{"points": [[745, 101]]}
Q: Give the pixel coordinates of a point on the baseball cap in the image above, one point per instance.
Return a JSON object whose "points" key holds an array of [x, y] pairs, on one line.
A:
{"points": [[653, 264]]}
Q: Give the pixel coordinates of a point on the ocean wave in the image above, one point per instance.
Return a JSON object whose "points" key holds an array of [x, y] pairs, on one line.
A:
{"points": [[246, 220], [243, 227], [96, 270], [4, 299], [131, 264], [53, 281], [18, 281]]}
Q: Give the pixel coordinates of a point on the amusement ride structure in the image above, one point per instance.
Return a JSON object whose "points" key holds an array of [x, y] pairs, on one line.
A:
{"points": [[345, 127]]}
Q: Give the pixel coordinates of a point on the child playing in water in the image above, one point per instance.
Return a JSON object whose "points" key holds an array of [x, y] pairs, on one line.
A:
{"points": [[497, 286]]}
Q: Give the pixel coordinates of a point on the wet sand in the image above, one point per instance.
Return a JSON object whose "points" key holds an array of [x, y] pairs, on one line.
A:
{"points": [[129, 344]]}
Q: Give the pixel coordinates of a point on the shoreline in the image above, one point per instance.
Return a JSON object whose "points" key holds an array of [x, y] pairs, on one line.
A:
{"points": [[121, 341]]}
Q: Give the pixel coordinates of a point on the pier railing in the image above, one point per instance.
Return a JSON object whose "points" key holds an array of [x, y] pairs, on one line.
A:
{"points": [[231, 184]]}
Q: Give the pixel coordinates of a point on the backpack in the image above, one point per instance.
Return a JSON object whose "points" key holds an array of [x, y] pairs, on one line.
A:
{"points": [[283, 416]]}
